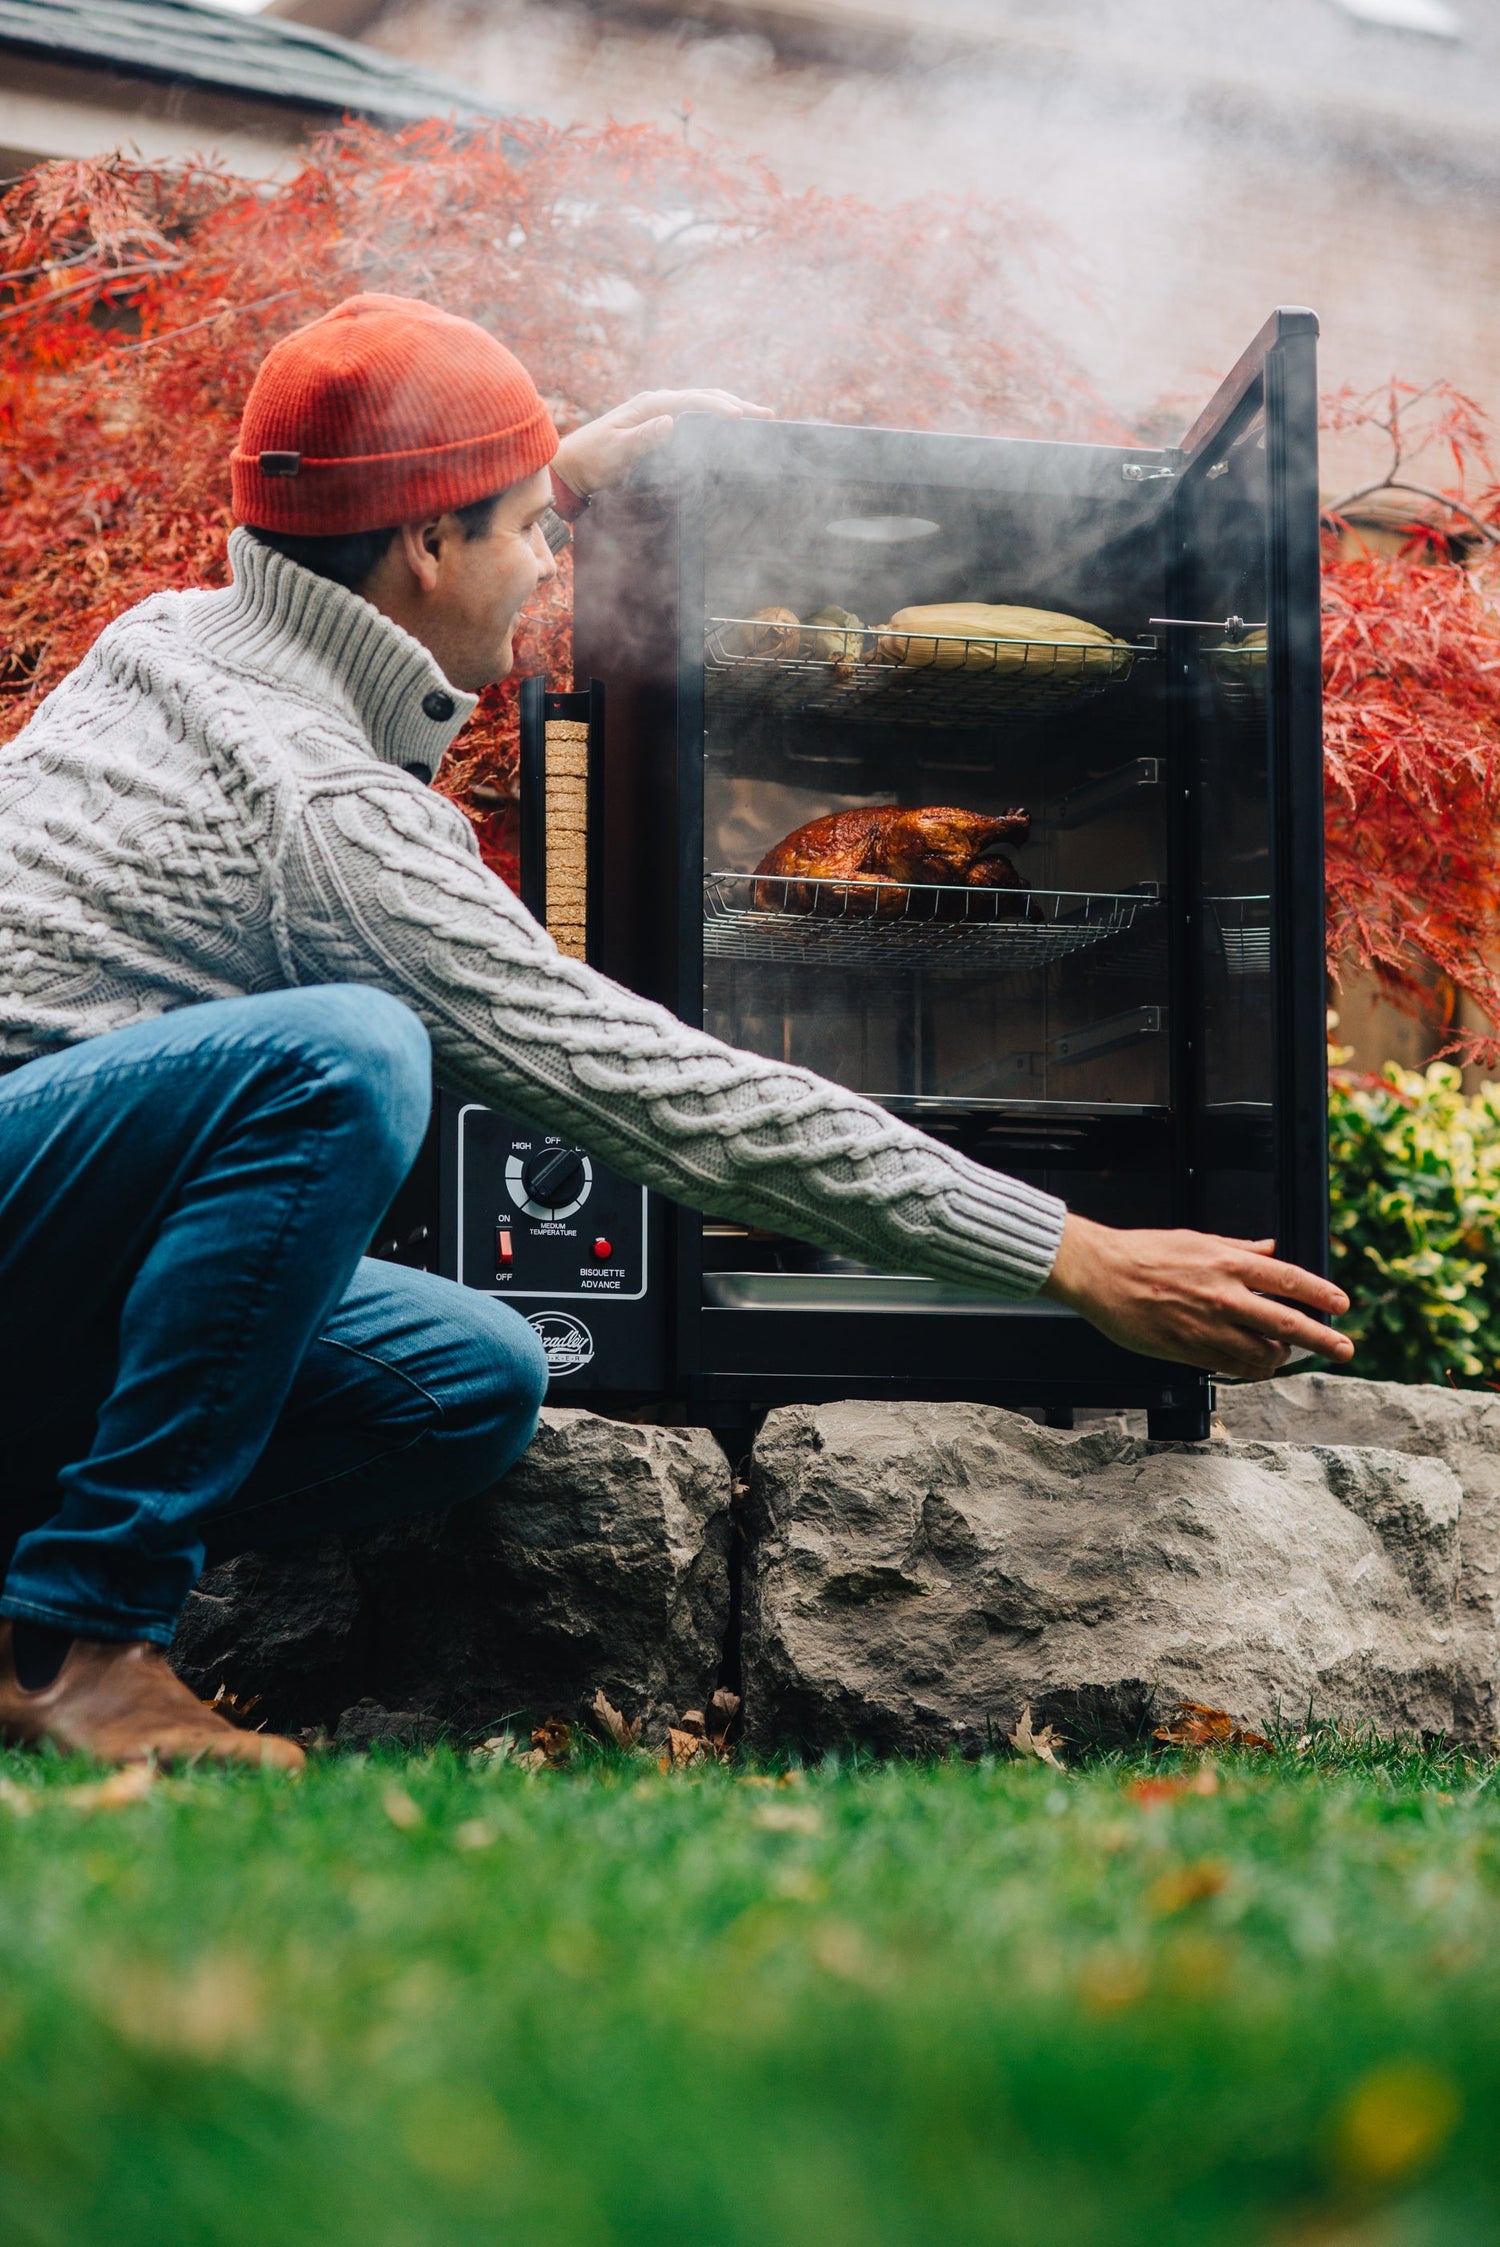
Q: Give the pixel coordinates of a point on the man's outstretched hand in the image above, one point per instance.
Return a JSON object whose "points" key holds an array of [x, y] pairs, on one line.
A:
{"points": [[1195, 1298], [603, 451]]}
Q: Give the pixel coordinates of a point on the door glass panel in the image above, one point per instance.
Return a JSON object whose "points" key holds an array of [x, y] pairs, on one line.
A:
{"points": [[982, 933]]}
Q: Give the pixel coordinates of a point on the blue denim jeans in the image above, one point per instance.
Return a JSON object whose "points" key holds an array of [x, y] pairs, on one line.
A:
{"points": [[195, 1356]]}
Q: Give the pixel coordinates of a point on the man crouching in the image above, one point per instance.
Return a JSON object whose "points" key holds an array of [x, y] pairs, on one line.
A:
{"points": [[236, 929]]}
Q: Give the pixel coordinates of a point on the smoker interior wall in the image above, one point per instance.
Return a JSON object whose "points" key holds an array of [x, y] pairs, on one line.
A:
{"points": [[1039, 526]]}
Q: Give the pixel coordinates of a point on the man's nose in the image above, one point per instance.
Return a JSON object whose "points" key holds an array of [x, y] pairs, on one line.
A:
{"points": [[546, 560]]}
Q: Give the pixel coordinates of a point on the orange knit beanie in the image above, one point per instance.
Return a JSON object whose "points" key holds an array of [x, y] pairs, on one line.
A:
{"points": [[384, 411]]}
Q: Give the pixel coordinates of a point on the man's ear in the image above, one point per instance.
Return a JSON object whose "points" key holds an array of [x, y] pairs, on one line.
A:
{"points": [[421, 549]]}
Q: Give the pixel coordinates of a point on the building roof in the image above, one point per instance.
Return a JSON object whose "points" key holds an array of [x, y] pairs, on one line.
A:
{"points": [[185, 42]]}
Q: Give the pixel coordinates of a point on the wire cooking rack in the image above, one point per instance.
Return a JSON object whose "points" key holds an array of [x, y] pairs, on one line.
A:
{"points": [[783, 920], [904, 678]]}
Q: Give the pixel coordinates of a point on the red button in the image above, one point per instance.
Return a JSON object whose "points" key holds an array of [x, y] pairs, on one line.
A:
{"points": [[504, 1253], [603, 1250]]}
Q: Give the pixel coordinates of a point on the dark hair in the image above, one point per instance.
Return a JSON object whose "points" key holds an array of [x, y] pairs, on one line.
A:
{"points": [[351, 561]]}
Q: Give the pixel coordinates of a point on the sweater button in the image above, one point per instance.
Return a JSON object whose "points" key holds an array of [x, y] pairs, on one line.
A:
{"points": [[438, 706]]}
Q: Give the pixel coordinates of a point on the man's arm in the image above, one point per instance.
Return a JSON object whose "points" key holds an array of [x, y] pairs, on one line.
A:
{"points": [[382, 885]]}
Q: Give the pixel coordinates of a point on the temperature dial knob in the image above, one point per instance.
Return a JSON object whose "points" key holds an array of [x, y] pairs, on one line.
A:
{"points": [[554, 1178], [549, 1182]]}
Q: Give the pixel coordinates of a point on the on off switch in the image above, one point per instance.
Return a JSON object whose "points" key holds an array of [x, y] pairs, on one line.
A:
{"points": [[504, 1252]]}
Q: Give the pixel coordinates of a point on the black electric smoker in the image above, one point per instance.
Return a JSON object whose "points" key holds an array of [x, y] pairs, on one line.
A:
{"points": [[1144, 1036]]}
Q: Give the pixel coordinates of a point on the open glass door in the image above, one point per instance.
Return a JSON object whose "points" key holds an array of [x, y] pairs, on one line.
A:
{"points": [[1243, 642]]}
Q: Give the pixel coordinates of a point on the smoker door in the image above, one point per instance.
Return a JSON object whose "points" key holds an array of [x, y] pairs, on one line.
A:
{"points": [[1014, 1003], [1243, 642]]}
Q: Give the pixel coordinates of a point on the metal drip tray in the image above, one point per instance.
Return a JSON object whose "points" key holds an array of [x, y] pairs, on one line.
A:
{"points": [[893, 927], [860, 1291], [905, 679]]}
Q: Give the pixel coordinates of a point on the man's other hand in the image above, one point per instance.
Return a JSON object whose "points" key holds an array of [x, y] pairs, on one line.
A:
{"points": [[603, 451], [1195, 1298]]}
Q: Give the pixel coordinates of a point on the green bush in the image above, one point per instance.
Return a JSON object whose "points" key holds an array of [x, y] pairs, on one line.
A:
{"points": [[1415, 1178]]}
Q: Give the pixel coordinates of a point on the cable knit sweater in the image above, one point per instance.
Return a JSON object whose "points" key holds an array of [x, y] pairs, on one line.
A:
{"points": [[215, 802]]}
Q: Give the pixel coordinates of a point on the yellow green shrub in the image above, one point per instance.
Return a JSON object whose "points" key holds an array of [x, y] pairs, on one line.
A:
{"points": [[1415, 1180]]}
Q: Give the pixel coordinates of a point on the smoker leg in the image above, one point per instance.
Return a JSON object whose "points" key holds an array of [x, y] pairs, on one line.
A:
{"points": [[1180, 1423]]}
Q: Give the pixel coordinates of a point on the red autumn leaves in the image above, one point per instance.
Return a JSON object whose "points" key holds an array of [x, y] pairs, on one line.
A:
{"points": [[137, 300]]}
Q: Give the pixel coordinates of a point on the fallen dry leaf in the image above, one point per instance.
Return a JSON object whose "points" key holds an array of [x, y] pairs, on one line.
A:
{"points": [[841, 1950], [401, 1810], [788, 1817], [228, 1704], [117, 1792], [1195, 1725], [1394, 2121], [1111, 1980], [624, 1731], [1204, 1780], [684, 1748], [1182, 1885], [500, 1747], [1038, 1747], [692, 1721], [215, 2006], [554, 1737], [534, 1759], [722, 1711], [474, 1833]]}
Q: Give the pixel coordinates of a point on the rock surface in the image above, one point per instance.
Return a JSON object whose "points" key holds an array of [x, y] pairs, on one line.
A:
{"points": [[917, 1573], [600, 1560], [1458, 1426], [914, 1575]]}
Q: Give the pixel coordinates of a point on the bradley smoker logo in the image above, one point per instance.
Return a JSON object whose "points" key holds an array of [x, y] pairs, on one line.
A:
{"points": [[566, 1340]]}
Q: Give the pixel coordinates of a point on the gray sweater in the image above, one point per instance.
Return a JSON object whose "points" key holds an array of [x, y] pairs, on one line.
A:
{"points": [[215, 803]]}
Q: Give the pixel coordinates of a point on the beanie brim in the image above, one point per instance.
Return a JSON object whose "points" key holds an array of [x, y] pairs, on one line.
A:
{"points": [[376, 491]]}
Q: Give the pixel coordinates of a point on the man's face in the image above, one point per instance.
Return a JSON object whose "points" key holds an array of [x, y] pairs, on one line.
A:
{"points": [[461, 596]]}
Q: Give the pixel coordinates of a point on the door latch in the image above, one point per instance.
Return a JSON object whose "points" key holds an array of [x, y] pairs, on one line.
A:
{"points": [[1234, 628]]}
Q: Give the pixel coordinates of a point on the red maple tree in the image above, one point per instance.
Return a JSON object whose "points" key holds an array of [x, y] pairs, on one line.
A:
{"points": [[1411, 659], [140, 298], [136, 301]]}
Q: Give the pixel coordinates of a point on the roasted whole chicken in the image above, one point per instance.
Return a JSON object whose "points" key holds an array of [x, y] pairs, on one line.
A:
{"points": [[854, 862]]}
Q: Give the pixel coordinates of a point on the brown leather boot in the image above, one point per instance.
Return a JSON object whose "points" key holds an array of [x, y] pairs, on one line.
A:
{"points": [[118, 1701]]}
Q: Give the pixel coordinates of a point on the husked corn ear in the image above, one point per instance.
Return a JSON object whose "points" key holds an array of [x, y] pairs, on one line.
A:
{"points": [[847, 642], [974, 636]]}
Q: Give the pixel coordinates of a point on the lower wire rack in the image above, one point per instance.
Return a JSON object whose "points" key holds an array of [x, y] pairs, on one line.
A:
{"points": [[874, 927]]}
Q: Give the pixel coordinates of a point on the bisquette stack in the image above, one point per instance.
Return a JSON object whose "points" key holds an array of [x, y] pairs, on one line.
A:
{"points": [[567, 834]]}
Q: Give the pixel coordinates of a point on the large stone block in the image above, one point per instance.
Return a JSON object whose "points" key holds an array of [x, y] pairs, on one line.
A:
{"points": [[1459, 1426], [602, 1559], [917, 1573]]}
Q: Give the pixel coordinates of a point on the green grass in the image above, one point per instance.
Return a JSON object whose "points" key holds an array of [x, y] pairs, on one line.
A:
{"points": [[415, 2003]]}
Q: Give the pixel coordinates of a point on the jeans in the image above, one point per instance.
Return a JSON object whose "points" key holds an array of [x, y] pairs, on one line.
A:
{"points": [[195, 1356]]}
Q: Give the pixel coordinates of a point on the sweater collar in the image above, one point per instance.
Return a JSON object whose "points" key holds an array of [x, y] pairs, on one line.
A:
{"points": [[284, 623]]}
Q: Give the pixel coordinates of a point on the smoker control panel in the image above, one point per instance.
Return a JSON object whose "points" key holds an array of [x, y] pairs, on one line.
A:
{"points": [[538, 1217]]}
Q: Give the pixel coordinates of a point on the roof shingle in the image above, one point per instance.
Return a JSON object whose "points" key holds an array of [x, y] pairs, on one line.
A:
{"points": [[264, 57]]}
